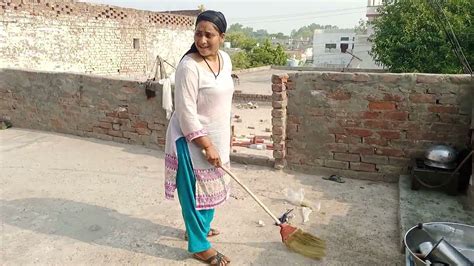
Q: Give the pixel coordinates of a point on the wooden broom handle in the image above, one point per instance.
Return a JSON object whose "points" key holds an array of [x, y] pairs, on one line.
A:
{"points": [[251, 194]]}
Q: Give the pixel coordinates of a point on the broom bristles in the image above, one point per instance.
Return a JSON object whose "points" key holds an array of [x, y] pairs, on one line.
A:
{"points": [[306, 244]]}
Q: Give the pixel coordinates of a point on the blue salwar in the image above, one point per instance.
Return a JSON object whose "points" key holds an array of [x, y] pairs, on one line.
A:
{"points": [[198, 223]]}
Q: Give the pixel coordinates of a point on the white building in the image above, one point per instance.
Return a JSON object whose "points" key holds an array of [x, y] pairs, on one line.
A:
{"points": [[344, 48], [330, 47], [363, 45]]}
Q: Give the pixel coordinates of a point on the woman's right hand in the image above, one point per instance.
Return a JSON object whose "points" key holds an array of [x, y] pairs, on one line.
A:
{"points": [[212, 156]]}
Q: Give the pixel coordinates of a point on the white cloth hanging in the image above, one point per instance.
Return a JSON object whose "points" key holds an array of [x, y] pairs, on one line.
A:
{"points": [[167, 99]]}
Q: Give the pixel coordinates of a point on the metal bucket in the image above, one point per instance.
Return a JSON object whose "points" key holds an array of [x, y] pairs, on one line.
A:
{"points": [[460, 236]]}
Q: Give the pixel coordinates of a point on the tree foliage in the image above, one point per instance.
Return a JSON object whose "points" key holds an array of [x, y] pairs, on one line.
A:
{"points": [[361, 27], [308, 31], [408, 38], [262, 55]]}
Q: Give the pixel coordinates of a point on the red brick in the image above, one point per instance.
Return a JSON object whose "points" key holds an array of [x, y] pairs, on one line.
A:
{"points": [[365, 167], [393, 97], [389, 134], [396, 115], [336, 147], [422, 98], [140, 124], [386, 105], [363, 150], [375, 159], [123, 115], [389, 152], [420, 135], [378, 124], [443, 109], [99, 130], [409, 125], [278, 113], [143, 131], [342, 138], [278, 130], [359, 132], [105, 125], [316, 111], [336, 164], [290, 85], [277, 87], [114, 133], [133, 110], [375, 141], [279, 96], [279, 78], [294, 119], [336, 130], [370, 115], [112, 114], [347, 157], [339, 95]]}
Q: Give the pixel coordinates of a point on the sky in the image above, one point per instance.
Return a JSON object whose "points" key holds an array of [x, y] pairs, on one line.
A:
{"points": [[274, 16]]}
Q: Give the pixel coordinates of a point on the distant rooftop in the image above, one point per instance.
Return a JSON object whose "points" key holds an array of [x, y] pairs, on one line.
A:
{"points": [[334, 31], [191, 13]]}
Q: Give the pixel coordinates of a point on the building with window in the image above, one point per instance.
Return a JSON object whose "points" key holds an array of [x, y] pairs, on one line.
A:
{"points": [[331, 48], [344, 48]]}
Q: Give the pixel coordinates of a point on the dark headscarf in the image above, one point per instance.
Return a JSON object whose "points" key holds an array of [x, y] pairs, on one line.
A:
{"points": [[215, 17]]}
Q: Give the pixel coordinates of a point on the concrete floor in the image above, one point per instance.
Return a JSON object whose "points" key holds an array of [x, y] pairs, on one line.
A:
{"points": [[67, 200], [258, 82]]}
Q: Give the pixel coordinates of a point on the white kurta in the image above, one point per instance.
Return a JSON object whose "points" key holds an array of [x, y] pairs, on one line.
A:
{"points": [[202, 108]]}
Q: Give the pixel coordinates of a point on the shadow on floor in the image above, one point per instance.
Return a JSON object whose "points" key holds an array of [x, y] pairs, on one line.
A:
{"points": [[91, 224]]}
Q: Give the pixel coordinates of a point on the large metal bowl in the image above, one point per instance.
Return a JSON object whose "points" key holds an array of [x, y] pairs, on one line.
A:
{"points": [[461, 236], [441, 156]]}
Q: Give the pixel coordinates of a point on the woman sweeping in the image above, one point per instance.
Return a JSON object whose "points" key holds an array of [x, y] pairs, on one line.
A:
{"points": [[201, 121]]}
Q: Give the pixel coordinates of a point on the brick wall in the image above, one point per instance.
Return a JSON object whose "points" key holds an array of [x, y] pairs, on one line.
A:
{"points": [[90, 106], [367, 126], [470, 190], [86, 38]]}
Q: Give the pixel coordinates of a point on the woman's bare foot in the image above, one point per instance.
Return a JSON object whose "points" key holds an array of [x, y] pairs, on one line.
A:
{"points": [[212, 257]]}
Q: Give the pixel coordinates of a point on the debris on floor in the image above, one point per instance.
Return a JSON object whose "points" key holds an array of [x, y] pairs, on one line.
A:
{"points": [[248, 105]]}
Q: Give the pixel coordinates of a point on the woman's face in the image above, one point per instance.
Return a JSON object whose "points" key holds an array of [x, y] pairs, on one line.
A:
{"points": [[207, 38]]}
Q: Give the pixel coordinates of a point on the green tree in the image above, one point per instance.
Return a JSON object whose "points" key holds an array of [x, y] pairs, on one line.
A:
{"points": [[240, 60], [241, 40], [408, 38], [266, 54], [308, 31], [361, 27]]}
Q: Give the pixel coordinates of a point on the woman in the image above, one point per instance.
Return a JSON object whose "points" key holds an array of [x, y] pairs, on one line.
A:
{"points": [[201, 121]]}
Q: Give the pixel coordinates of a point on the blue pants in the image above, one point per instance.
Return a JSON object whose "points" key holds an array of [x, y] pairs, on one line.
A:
{"points": [[198, 223]]}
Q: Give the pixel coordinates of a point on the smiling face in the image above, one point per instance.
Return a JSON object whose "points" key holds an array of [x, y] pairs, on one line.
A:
{"points": [[207, 38]]}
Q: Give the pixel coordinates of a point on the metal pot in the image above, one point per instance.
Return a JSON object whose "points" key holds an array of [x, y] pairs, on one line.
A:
{"points": [[441, 156], [460, 236]]}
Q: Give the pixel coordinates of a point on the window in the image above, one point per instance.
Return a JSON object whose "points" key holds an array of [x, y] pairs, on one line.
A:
{"points": [[330, 47], [344, 38], [136, 43], [344, 47]]}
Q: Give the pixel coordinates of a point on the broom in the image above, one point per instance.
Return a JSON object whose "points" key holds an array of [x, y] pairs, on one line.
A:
{"points": [[294, 238]]}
